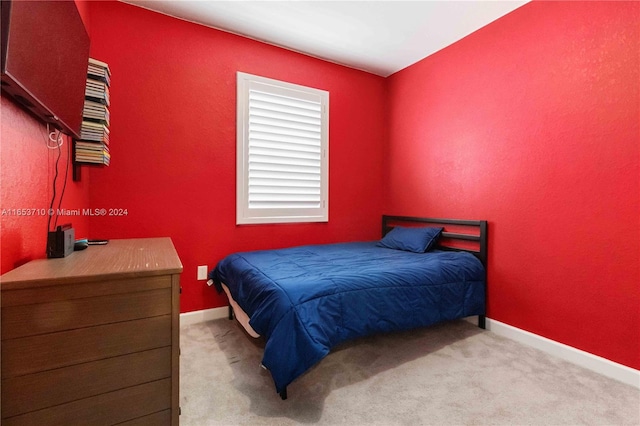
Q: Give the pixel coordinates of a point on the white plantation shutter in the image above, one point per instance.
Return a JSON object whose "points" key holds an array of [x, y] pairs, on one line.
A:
{"points": [[282, 162]]}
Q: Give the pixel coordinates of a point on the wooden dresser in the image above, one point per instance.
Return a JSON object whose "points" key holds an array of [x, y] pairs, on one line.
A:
{"points": [[93, 338]]}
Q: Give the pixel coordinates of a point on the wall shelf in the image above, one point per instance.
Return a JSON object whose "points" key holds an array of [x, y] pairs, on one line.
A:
{"points": [[93, 146]]}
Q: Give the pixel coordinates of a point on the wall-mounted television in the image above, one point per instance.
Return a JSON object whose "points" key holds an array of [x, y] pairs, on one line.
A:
{"points": [[45, 54]]}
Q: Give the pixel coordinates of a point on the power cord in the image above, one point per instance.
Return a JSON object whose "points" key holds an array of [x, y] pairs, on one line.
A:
{"points": [[55, 137]]}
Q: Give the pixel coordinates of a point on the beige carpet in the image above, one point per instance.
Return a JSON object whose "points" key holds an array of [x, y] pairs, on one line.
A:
{"points": [[452, 373]]}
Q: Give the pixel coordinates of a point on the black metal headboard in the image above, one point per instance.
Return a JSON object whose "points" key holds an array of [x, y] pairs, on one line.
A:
{"points": [[461, 235]]}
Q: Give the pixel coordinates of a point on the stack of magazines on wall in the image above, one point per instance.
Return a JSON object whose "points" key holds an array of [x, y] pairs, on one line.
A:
{"points": [[93, 145]]}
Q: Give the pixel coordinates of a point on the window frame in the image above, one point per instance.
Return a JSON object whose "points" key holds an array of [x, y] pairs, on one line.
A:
{"points": [[245, 214]]}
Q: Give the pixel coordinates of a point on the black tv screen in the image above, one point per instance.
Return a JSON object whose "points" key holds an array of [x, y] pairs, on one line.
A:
{"points": [[45, 54]]}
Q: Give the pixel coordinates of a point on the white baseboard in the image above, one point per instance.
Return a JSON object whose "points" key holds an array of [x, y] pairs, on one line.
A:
{"points": [[195, 317], [600, 365], [584, 359]]}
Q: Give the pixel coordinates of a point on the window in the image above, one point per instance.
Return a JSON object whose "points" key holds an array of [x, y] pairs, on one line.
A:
{"points": [[282, 152]]}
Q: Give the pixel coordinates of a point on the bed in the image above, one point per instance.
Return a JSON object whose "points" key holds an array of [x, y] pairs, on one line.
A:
{"points": [[305, 300]]}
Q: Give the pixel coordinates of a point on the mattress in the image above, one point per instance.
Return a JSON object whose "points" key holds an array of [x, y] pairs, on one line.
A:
{"points": [[305, 300], [241, 316]]}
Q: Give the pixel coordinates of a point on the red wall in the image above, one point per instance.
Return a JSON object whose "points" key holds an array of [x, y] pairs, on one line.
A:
{"points": [[27, 168], [532, 123], [173, 140]]}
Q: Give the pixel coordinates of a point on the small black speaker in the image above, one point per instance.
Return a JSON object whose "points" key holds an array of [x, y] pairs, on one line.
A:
{"points": [[60, 242]]}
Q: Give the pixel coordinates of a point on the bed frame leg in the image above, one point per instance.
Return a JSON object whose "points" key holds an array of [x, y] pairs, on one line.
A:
{"points": [[230, 312], [482, 322], [283, 394]]}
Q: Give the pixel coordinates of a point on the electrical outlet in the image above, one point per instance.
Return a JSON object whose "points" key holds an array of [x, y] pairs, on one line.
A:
{"points": [[202, 272]]}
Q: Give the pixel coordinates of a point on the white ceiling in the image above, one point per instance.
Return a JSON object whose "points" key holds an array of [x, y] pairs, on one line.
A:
{"points": [[380, 37]]}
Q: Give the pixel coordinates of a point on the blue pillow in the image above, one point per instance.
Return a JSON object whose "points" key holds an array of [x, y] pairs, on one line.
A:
{"points": [[417, 240]]}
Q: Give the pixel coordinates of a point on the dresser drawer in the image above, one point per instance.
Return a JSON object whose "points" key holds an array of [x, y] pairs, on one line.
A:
{"points": [[106, 409], [55, 350], [62, 385], [83, 290], [40, 318]]}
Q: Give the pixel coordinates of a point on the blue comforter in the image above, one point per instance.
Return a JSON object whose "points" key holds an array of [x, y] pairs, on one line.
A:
{"points": [[305, 300]]}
